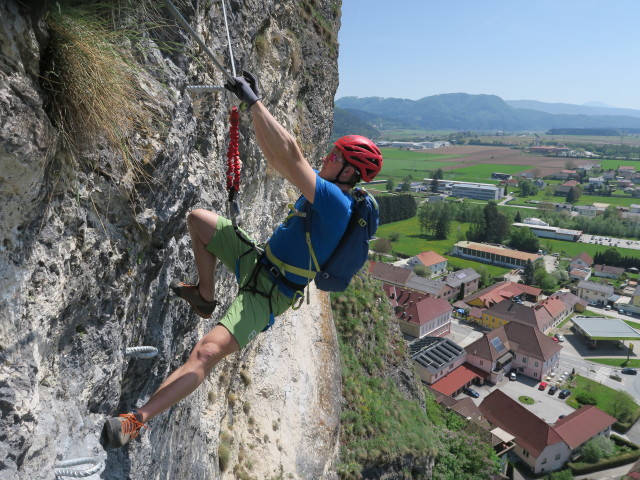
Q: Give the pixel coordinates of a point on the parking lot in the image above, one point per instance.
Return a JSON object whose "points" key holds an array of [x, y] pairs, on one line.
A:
{"points": [[545, 406]]}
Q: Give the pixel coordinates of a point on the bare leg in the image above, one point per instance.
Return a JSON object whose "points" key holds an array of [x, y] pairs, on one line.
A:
{"points": [[202, 225], [213, 347]]}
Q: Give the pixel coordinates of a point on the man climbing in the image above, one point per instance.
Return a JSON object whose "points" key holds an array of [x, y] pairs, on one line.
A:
{"points": [[271, 283]]}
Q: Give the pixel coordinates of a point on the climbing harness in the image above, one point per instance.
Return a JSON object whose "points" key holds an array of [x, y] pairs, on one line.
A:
{"points": [[62, 471], [141, 352]]}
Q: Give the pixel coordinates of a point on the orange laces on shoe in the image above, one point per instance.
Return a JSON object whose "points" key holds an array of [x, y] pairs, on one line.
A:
{"points": [[131, 425]]}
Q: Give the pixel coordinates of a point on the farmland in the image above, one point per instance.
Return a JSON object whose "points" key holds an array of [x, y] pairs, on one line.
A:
{"points": [[467, 162]]}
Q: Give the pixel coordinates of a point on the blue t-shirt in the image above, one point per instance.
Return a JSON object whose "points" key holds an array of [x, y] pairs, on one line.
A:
{"points": [[330, 212]]}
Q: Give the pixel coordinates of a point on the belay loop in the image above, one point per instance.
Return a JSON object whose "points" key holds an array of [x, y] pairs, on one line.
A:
{"points": [[233, 161]]}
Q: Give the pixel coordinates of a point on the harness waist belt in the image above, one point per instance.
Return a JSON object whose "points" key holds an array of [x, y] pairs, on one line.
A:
{"points": [[279, 278]]}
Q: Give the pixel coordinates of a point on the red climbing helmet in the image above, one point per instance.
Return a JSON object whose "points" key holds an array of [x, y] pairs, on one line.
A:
{"points": [[362, 153]]}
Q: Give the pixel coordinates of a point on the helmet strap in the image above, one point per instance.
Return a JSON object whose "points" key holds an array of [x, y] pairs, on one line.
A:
{"points": [[337, 179]]}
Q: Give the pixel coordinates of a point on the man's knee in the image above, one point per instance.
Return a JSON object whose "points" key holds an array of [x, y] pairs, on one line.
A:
{"points": [[203, 223], [208, 354]]}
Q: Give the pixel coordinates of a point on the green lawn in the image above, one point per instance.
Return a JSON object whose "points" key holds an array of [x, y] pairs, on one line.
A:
{"points": [[617, 362], [411, 242], [605, 396]]}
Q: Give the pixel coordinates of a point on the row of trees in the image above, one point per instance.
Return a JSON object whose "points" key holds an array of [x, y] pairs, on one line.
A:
{"points": [[394, 208], [435, 220], [612, 257]]}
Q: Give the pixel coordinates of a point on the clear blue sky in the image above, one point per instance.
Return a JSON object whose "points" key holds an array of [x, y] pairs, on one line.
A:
{"points": [[561, 51]]}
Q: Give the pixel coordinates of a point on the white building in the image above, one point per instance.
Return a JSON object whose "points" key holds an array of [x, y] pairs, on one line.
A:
{"points": [[478, 191]]}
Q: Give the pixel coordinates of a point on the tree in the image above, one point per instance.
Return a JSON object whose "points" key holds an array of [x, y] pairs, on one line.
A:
{"points": [[528, 273], [623, 406], [390, 185], [442, 225], [406, 184], [523, 239], [439, 174], [527, 187], [518, 217], [572, 196], [597, 448], [434, 185], [382, 246], [611, 256], [422, 271]]}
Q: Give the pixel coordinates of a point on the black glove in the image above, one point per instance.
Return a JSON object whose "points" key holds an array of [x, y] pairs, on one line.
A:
{"points": [[246, 88]]}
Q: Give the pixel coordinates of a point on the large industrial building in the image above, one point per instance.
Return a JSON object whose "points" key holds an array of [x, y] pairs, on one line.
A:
{"points": [[545, 231], [495, 255]]}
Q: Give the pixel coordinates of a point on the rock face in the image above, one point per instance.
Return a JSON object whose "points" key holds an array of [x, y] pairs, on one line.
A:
{"points": [[86, 257]]}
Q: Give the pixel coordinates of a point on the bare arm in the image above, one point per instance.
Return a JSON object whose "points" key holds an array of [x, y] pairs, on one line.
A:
{"points": [[282, 152]]}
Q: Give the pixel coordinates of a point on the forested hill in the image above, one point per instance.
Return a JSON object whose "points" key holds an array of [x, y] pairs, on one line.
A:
{"points": [[347, 123], [461, 111]]}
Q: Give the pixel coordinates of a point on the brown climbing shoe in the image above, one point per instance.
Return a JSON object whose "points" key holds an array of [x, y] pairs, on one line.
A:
{"points": [[191, 294], [117, 431]]}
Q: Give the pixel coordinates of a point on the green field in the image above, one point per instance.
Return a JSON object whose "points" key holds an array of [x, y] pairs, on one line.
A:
{"points": [[482, 173], [412, 243], [608, 164], [400, 163]]}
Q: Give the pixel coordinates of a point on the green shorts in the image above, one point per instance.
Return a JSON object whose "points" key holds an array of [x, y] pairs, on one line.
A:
{"points": [[249, 312]]}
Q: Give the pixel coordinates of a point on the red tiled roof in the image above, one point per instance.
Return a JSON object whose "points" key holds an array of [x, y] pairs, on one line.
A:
{"points": [[483, 348], [425, 310], [400, 296], [501, 291], [579, 272], [554, 306], [532, 433], [430, 258], [570, 183], [583, 424], [458, 378], [531, 341], [585, 257]]}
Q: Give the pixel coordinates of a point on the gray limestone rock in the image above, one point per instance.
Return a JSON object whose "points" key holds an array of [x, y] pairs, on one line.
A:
{"points": [[87, 254]]}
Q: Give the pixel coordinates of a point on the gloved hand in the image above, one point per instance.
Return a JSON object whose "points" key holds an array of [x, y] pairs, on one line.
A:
{"points": [[246, 88]]}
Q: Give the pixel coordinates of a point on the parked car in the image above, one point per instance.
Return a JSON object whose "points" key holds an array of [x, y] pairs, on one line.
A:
{"points": [[552, 389], [629, 371], [512, 376], [555, 339], [560, 337], [542, 385], [564, 393], [471, 392]]}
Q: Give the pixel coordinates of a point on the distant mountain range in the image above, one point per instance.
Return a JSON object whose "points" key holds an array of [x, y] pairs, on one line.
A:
{"points": [[461, 111]]}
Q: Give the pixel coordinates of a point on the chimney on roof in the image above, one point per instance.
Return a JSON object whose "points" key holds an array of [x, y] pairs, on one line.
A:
{"points": [[410, 317], [411, 303], [404, 314]]}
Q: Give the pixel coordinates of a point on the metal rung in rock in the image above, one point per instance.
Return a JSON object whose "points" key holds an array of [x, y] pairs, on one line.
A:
{"points": [[141, 352], [97, 467], [204, 88]]}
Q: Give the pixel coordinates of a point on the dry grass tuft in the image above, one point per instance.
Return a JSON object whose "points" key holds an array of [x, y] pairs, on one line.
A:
{"points": [[93, 90]]}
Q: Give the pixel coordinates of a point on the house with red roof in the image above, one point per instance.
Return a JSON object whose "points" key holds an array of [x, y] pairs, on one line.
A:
{"points": [[496, 293], [544, 447], [583, 260], [436, 264], [514, 346], [426, 316], [564, 188]]}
